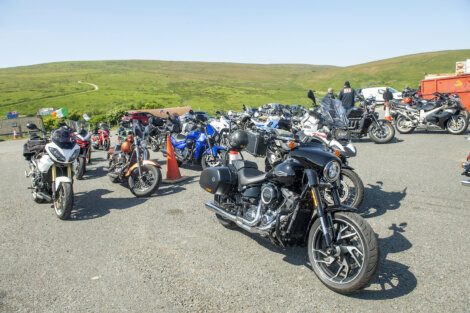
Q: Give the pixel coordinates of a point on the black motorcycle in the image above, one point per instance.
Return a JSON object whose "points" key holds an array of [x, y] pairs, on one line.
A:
{"points": [[160, 128], [365, 121], [286, 206], [350, 185]]}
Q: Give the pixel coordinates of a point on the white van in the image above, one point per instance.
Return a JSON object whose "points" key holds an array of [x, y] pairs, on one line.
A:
{"points": [[378, 92]]}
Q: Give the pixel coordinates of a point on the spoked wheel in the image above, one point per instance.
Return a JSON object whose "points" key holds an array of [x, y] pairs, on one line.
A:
{"points": [[404, 125], [352, 261], [381, 132], [147, 183], [457, 125], [63, 201], [209, 160]]}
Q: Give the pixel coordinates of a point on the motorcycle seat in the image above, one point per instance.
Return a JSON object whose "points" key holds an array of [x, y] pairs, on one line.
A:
{"points": [[178, 137], [248, 173], [428, 106]]}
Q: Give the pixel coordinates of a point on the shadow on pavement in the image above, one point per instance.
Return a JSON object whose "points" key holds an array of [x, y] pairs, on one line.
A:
{"points": [[91, 204], [168, 189], [377, 201], [393, 279], [367, 139]]}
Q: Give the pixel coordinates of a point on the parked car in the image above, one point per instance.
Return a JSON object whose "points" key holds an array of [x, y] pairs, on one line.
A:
{"points": [[377, 93], [143, 117]]}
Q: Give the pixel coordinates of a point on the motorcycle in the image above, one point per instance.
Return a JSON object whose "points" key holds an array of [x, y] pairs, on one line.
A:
{"points": [[51, 167], [198, 146], [446, 112], [285, 205], [159, 131], [101, 137], [83, 139], [365, 121], [466, 169], [129, 160]]}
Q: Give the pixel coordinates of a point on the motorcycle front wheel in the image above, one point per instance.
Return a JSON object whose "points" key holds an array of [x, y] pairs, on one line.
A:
{"points": [[106, 144], [381, 132], [63, 201], [352, 260], [457, 125], [402, 125], [147, 183], [208, 160], [81, 168]]}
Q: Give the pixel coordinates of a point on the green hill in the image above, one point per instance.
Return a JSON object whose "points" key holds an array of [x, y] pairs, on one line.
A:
{"points": [[133, 84]]}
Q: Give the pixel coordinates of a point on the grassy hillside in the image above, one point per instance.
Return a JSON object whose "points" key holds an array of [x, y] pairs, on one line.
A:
{"points": [[208, 86]]}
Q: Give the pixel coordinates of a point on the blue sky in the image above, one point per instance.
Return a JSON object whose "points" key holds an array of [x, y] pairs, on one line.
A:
{"points": [[314, 32]]}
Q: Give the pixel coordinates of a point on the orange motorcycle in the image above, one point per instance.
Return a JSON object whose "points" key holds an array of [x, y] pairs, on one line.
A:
{"points": [[129, 160]]}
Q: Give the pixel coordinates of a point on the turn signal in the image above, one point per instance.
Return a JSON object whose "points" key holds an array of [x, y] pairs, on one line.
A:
{"points": [[292, 144], [337, 153]]}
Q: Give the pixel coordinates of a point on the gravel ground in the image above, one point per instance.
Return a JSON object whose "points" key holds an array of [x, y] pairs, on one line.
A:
{"points": [[168, 253]]}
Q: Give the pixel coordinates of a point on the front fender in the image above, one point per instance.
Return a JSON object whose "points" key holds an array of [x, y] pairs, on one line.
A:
{"points": [[214, 150], [134, 166], [61, 179]]}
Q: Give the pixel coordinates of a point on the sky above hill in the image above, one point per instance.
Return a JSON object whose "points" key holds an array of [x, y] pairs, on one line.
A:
{"points": [[298, 31]]}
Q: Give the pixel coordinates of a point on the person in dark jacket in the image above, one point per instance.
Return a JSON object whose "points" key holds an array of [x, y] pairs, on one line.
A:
{"points": [[347, 96], [388, 96]]}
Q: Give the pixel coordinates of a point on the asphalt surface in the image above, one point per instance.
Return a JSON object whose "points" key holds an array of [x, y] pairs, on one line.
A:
{"points": [[168, 253]]}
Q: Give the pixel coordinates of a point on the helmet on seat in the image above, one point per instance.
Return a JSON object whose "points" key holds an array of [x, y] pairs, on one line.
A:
{"points": [[238, 139]]}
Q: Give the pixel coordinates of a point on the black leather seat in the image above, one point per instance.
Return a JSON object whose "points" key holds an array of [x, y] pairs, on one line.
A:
{"points": [[248, 173], [178, 137]]}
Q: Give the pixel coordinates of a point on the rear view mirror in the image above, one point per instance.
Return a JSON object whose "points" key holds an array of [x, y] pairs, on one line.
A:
{"points": [[218, 112], [191, 112], [31, 126], [311, 95]]}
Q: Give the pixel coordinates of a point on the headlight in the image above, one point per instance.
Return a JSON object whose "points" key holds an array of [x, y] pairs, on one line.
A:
{"points": [[57, 154], [75, 155], [332, 171]]}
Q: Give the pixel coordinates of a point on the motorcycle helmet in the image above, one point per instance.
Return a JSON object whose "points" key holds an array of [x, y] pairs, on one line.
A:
{"points": [[238, 139]]}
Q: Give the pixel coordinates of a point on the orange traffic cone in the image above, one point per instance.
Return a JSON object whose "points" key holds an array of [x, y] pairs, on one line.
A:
{"points": [[388, 117], [173, 174]]}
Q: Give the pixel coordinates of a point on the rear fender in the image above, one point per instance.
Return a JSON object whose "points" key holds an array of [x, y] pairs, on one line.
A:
{"points": [[134, 166]]}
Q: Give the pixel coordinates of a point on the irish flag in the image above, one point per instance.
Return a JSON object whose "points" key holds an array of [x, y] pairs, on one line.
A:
{"points": [[62, 112]]}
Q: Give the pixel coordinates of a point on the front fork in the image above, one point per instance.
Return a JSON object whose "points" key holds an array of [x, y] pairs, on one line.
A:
{"points": [[325, 218], [54, 176]]}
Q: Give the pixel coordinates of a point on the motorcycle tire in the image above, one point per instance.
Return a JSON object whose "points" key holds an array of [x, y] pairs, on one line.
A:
{"points": [[463, 123], [221, 157], [358, 185], [358, 236], [133, 178], [106, 145], [403, 129], [63, 201], [81, 168], [223, 221], [89, 156], [385, 139]]}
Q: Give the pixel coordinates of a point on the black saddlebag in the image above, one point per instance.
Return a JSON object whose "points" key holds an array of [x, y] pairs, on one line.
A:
{"points": [[218, 180], [256, 144], [31, 147]]}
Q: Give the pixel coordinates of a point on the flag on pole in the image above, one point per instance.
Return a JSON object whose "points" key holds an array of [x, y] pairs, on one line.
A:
{"points": [[62, 112]]}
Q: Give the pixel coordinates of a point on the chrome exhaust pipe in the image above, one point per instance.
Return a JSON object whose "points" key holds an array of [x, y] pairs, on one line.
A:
{"points": [[43, 196], [465, 183], [239, 221]]}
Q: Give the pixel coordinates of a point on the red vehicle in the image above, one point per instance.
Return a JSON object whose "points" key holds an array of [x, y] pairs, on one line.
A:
{"points": [[101, 137], [142, 117], [83, 140], [459, 84]]}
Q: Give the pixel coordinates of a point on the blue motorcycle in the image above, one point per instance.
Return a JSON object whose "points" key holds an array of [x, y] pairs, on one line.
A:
{"points": [[199, 146]]}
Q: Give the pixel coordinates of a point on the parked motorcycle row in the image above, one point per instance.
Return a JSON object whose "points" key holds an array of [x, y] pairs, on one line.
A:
{"points": [[307, 193]]}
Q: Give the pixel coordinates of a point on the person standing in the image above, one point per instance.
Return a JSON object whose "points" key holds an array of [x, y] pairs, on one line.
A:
{"points": [[388, 96], [347, 96], [331, 93]]}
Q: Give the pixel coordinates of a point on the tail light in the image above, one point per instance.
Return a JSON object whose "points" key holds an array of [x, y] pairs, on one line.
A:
{"points": [[468, 157]]}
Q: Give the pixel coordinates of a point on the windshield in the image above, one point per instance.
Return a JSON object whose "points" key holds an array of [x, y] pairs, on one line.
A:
{"points": [[63, 138], [333, 112], [392, 90]]}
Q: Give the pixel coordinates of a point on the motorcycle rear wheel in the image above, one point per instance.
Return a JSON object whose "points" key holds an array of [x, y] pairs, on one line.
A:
{"points": [[63, 201], [139, 186], [223, 221], [401, 126], [353, 261], [457, 125], [383, 134]]}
